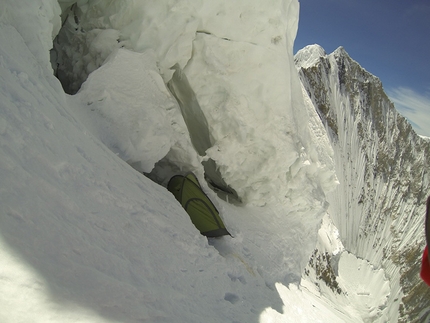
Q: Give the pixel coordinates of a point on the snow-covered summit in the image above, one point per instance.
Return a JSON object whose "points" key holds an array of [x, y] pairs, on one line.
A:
{"points": [[309, 55], [340, 51]]}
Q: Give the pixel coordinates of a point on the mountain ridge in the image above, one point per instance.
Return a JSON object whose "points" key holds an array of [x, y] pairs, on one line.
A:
{"points": [[382, 167]]}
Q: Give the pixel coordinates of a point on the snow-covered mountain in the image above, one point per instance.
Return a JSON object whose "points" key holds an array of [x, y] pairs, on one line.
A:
{"points": [[88, 232], [382, 167]]}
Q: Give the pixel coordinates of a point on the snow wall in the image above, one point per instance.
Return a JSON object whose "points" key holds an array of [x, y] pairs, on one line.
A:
{"points": [[238, 61]]}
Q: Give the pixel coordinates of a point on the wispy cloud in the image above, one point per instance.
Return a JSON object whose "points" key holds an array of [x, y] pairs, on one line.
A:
{"points": [[413, 106]]}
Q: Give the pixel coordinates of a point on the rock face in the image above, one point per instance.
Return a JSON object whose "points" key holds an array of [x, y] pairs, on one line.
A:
{"points": [[382, 166]]}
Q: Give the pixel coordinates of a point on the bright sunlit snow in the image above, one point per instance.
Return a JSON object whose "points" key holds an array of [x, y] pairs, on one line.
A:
{"points": [[86, 237]]}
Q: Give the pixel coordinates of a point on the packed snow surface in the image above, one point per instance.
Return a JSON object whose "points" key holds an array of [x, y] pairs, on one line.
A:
{"points": [[86, 237]]}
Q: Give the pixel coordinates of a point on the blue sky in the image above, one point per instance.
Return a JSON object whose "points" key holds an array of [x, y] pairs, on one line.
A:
{"points": [[389, 38]]}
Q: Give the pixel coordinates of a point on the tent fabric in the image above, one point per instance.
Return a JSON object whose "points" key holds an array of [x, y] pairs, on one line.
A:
{"points": [[425, 262], [203, 213]]}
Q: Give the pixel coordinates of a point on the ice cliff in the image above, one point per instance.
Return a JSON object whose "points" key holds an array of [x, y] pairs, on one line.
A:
{"points": [[238, 65]]}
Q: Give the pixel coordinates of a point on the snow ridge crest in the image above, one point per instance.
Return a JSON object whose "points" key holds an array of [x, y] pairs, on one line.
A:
{"points": [[309, 55]]}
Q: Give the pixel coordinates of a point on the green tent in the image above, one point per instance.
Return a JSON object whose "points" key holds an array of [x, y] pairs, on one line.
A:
{"points": [[201, 210]]}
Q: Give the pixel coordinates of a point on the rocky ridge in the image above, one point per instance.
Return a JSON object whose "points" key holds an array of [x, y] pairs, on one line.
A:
{"points": [[382, 168]]}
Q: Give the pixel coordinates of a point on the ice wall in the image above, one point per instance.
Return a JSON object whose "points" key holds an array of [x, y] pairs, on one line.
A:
{"points": [[237, 58], [46, 20]]}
